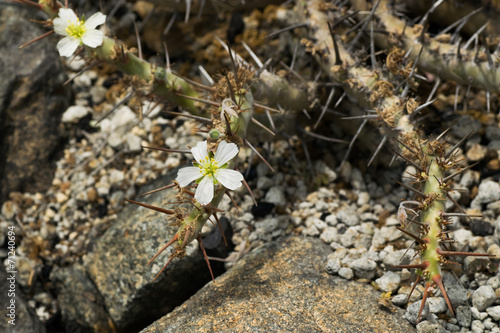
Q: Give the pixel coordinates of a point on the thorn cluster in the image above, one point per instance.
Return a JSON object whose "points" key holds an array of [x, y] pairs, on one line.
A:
{"points": [[436, 164]]}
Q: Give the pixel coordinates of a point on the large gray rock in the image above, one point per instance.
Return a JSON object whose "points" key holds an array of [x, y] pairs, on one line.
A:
{"points": [[23, 316], [118, 264], [283, 287], [79, 300], [32, 99]]}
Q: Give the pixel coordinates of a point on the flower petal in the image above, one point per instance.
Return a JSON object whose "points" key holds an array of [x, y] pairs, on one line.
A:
{"points": [[230, 179], [95, 20], [67, 46], [65, 18], [205, 191], [93, 38], [200, 151], [67, 15], [188, 174], [225, 152]]}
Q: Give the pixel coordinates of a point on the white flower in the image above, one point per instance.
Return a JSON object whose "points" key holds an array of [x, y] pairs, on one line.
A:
{"points": [[209, 170], [76, 31], [227, 106]]}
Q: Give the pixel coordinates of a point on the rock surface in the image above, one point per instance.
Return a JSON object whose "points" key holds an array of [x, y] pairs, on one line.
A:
{"points": [[283, 286], [25, 318], [118, 264], [32, 99]]}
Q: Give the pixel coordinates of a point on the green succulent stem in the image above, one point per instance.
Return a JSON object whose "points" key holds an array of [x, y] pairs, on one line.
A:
{"points": [[431, 216]]}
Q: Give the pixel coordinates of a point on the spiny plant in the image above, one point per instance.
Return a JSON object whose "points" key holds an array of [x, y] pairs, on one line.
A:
{"points": [[436, 166], [385, 89]]}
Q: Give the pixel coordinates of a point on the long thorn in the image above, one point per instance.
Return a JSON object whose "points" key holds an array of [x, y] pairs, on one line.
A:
{"points": [[168, 262], [170, 242], [439, 281], [457, 144], [258, 154], [413, 287], [158, 209], [168, 150], [351, 144], [415, 238], [255, 121], [250, 191], [338, 61], [328, 101], [384, 139], [424, 299], [200, 241], [157, 190], [202, 119], [48, 33], [459, 172], [220, 228], [418, 167]]}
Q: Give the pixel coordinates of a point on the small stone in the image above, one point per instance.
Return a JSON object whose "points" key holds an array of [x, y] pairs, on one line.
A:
{"points": [[133, 143], [346, 273], [412, 311], [116, 177], [61, 197], [495, 207], [92, 195], [349, 237], [329, 235], [489, 191], [464, 315], [477, 326], [347, 217], [478, 315], [494, 312], [476, 152], [322, 168], [364, 268], [276, 196], [452, 327], [116, 199], [494, 249], [331, 220], [357, 181], [9, 209], [76, 64], [428, 327], [266, 226], [437, 305], [494, 282], [74, 113], [311, 231], [469, 178], [400, 257], [102, 190], [264, 183], [363, 199], [483, 297], [98, 94], [488, 324], [318, 223], [81, 196], [399, 300], [456, 292], [493, 133], [462, 236], [333, 266], [389, 282]]}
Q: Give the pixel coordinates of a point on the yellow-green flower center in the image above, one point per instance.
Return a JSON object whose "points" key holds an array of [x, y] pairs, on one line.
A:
{"points": [[77, 29], [208, 167]]}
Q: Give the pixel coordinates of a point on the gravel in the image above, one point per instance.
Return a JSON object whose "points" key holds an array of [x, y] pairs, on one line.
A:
{"points": [[352, 210]]}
